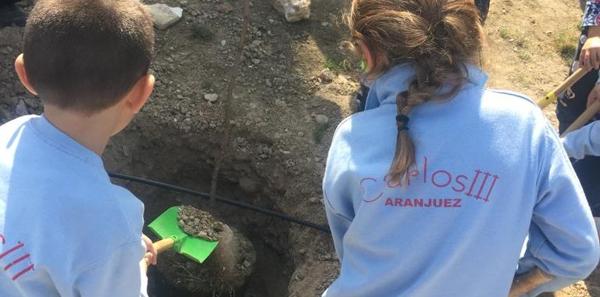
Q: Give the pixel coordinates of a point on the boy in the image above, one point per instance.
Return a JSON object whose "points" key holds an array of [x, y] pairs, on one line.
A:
{"points": [[65, 230]]}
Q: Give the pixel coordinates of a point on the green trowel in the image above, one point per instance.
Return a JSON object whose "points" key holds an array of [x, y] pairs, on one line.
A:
{"points": [[172, 236]]}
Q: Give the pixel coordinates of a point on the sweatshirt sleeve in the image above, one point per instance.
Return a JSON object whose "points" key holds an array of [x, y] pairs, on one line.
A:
{"points": [[584, 141], [338, 189], [563, 241], [118, 275], [591, 14], [339, 224]]}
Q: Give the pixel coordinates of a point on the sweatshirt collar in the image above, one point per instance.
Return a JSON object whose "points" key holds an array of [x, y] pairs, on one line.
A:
{"points": [[63, 142], [386, 87]]}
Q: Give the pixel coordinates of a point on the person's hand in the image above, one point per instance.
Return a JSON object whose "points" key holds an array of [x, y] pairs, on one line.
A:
{"points": [[590, 54], [593, 96], [151, 255], [528, 282]]}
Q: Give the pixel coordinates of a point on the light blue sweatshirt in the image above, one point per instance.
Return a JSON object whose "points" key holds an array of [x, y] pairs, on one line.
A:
{"points": [[489, 171], [65, 230], [583, 142]]}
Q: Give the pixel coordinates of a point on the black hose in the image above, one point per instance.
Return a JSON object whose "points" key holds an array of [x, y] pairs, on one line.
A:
{"points": [[219, 199]]}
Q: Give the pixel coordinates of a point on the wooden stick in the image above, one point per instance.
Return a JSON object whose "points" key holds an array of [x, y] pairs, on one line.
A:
{"points": [[160, 246], [163, 245], [571, 80], [584, 118]]}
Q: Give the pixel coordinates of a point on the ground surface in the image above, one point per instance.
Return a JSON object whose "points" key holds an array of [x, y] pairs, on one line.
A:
{"points": [[295, 87]]}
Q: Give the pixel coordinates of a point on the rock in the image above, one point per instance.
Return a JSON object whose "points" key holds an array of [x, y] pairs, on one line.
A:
{"points": [[223, 42], [212, 98], [225, 8], [164, 16], [293, 10], [313, 200], [326, 76], [321, 119]]}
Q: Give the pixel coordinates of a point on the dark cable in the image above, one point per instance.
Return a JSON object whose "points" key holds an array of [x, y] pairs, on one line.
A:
{"points": [[219, 199]]}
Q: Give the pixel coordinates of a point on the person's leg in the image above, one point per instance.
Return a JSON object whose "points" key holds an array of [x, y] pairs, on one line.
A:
{"points": [[570, 106], [10, 14], [588, 171]]}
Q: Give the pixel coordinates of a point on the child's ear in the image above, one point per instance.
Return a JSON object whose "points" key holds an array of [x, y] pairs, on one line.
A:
{"points": [[22, 74], [140, 93], [367, 55]]}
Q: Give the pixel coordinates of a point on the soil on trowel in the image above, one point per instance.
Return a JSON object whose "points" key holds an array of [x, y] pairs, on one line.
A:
{"points": [[199, 223], [225, 271]]}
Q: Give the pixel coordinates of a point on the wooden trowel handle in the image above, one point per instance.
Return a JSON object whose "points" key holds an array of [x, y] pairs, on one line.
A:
{"points": [[160, 246], [571, 80], [584, 118], [163, 245]]}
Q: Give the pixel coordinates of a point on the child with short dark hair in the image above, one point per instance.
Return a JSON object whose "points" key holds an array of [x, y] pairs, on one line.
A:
{"points": [[65, 229], [433, 189]]}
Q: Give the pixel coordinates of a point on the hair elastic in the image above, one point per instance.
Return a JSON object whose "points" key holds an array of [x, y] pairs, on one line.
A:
{"points": [[402, 119]]}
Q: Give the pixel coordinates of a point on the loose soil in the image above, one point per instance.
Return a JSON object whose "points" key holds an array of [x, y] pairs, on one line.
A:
{"points": [[296, 85], [200, 224]]}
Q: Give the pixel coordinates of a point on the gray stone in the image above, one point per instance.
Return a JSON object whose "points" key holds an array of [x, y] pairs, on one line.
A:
{"points": [[293, 10], [321, 119], [225, 8], [212, 98], [164, 16], [326, 76]]}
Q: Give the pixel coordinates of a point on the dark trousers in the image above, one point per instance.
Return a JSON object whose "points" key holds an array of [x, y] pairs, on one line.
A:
{"points": [[7, 2], [484, 6], [569, 107]]}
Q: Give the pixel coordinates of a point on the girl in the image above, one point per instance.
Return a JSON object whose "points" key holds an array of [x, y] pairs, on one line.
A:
{"points": [[432, 190]]}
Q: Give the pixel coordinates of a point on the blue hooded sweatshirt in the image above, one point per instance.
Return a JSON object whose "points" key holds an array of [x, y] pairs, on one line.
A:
{"points": [[489, 172]]}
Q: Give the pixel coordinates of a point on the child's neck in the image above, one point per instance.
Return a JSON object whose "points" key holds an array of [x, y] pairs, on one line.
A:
{"points": [[90, 131]]}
